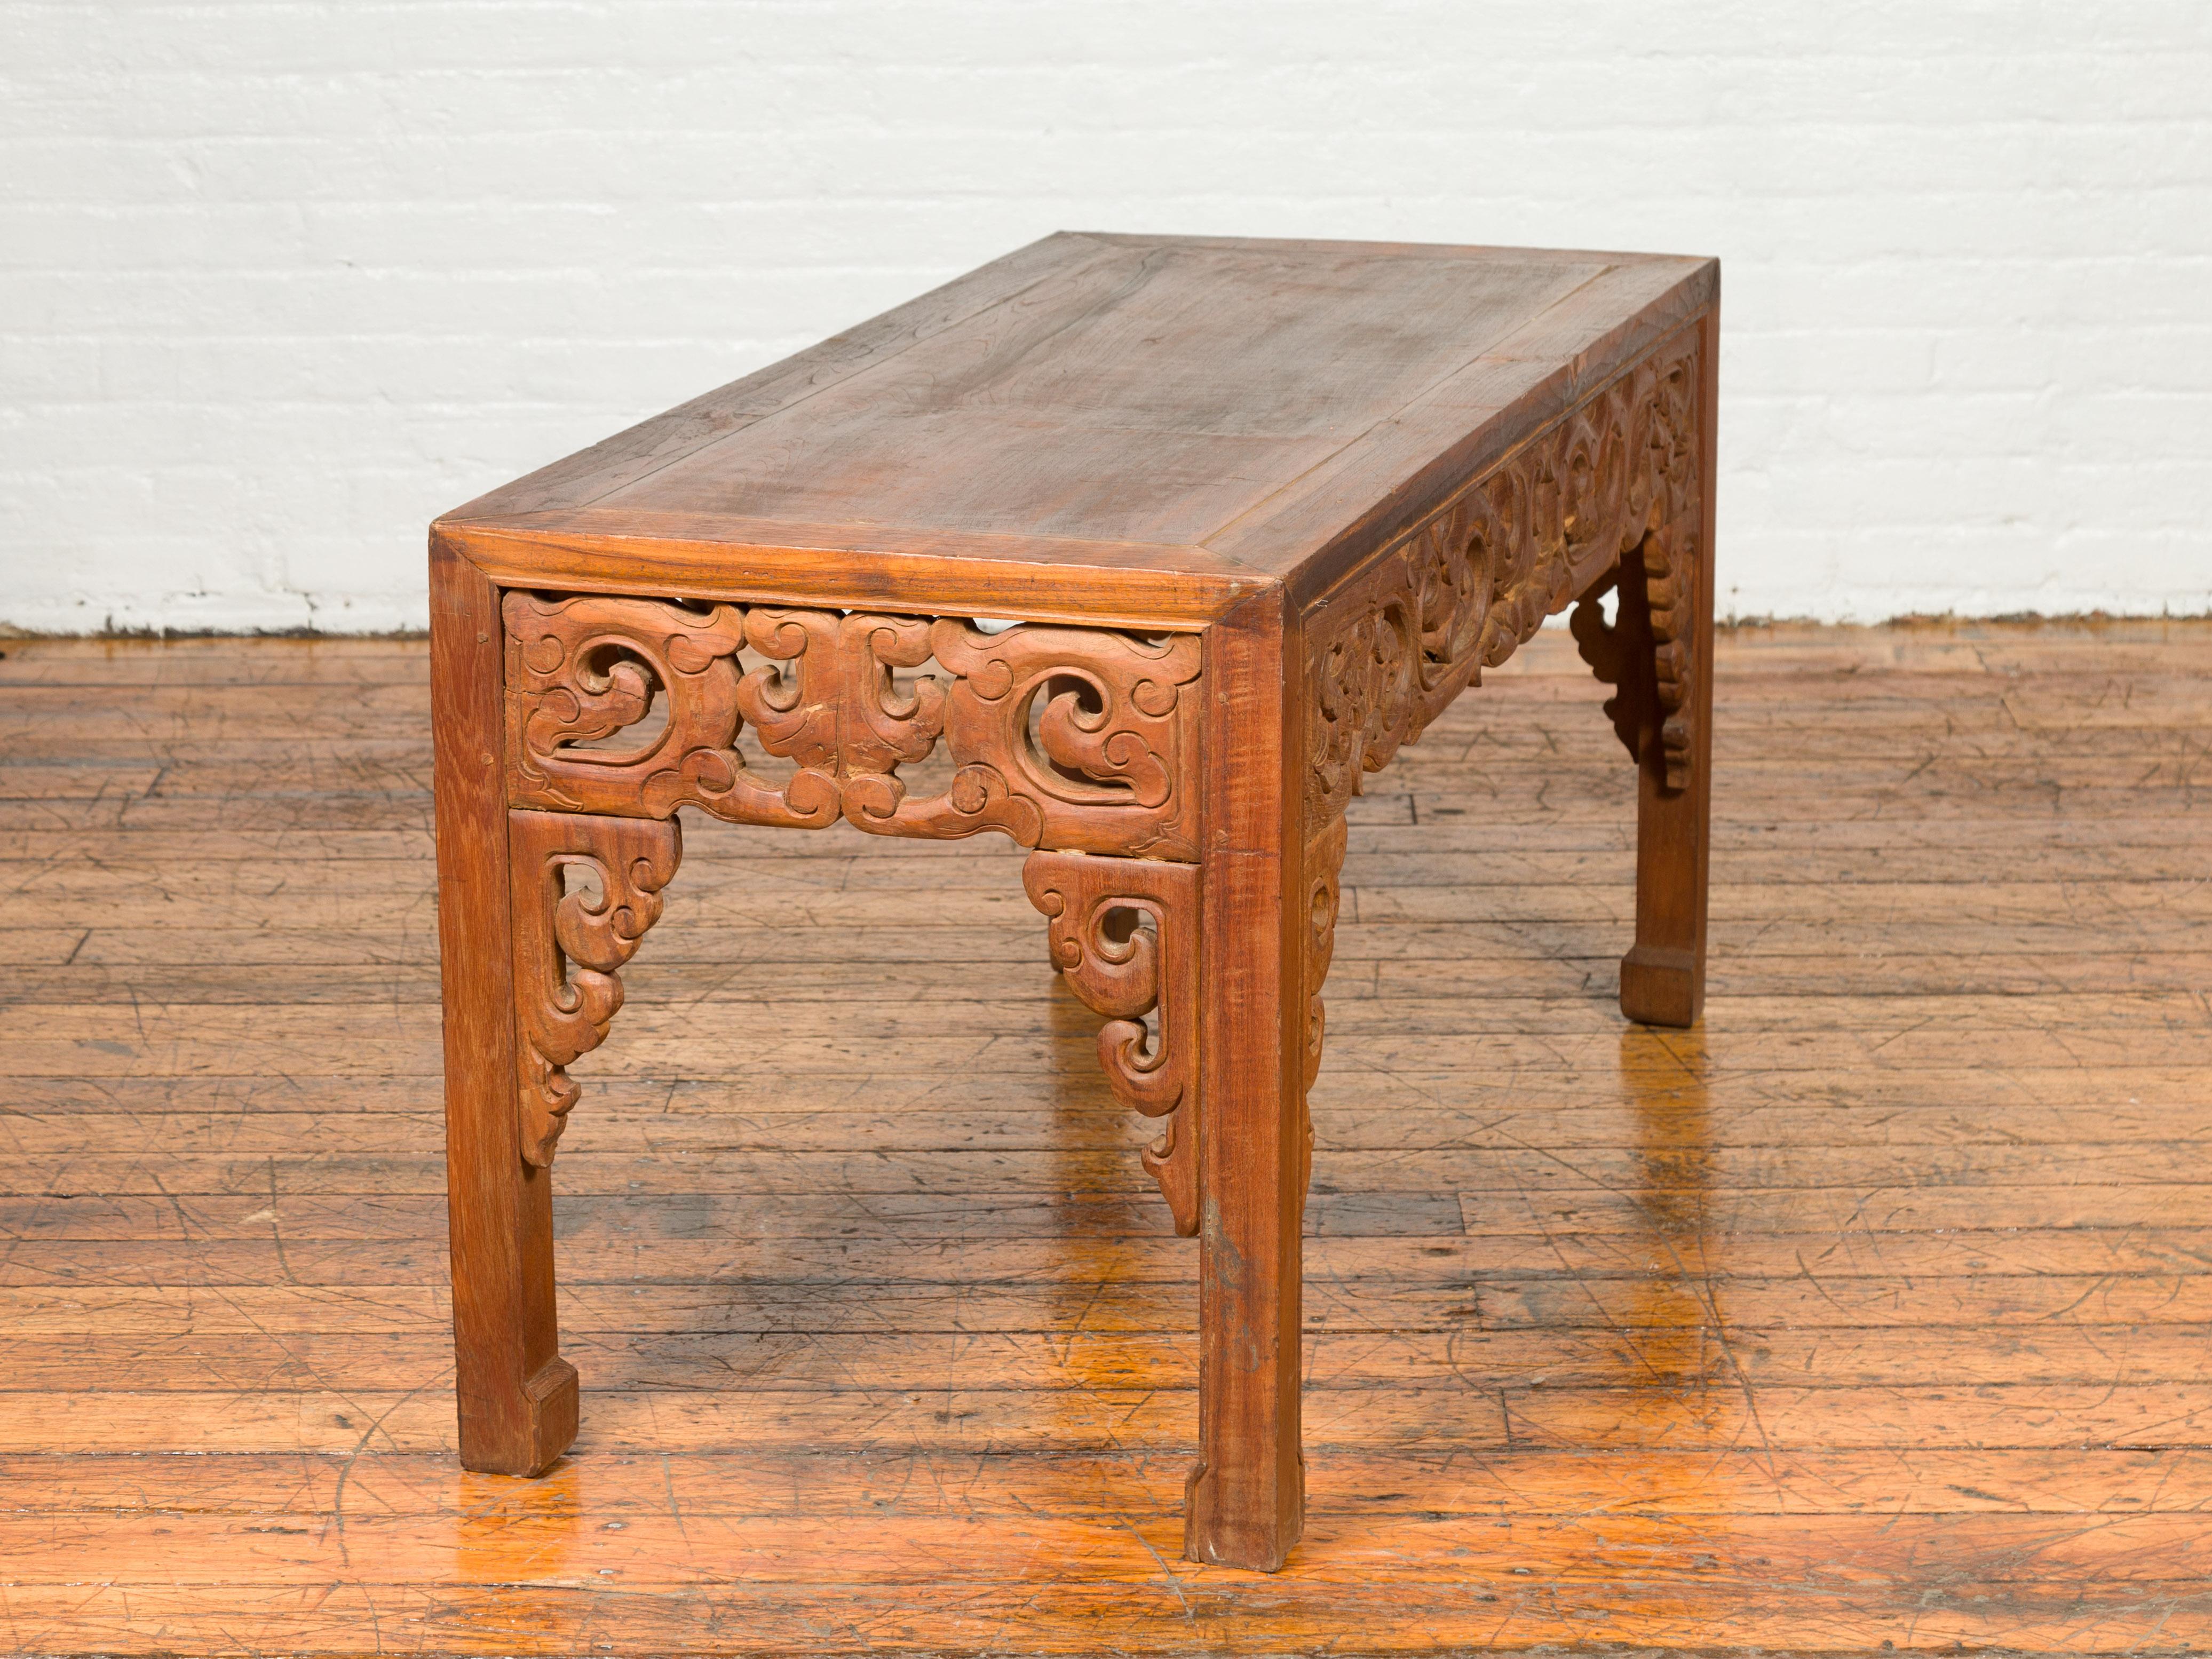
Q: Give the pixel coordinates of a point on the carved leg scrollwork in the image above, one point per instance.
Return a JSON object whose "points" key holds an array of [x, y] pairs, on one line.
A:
{"points": [[1124, 971], [1324, 876], [569, 942], [1674, 607]]}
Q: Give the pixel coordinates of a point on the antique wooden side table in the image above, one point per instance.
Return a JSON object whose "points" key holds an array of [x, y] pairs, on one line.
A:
{"points": [[1191, 534]]}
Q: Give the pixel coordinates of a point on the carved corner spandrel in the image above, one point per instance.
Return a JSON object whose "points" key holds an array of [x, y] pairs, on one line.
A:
{"points": [[569, 942], [1619, 653], [1120, 969]]}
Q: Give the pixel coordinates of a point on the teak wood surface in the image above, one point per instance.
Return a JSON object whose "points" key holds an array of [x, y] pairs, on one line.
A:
{"points": [[1164, 544], [1872, 1312]]}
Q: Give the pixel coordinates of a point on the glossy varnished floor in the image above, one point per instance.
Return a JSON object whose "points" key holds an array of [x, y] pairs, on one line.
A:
{"points": [[1875, 1312]]}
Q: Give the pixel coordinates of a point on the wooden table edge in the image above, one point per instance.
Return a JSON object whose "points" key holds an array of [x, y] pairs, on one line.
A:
{"points": [[1082, 584]]}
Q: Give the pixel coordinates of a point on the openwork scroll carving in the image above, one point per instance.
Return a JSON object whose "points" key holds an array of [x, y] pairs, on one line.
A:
{"points": [[1619, 651], [1609, 493], [570, 941], [1080, 739], [1467, 585], [1324, 899], [1123, 970]]}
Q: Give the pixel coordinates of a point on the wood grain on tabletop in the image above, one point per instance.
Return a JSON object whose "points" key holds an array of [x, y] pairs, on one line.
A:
{"points": [[1874, 1310], [1096, 425]]}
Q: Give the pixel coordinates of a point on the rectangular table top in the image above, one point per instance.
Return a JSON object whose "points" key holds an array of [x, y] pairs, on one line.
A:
{"points": [[1149, 425]]}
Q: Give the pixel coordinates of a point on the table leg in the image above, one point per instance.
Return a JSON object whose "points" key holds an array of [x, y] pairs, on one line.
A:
{"points": [[1662, 979], [517, 1396], [1247, 1492]]}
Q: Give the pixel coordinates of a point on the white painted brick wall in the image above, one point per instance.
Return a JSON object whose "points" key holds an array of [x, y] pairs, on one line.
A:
{"points": [[278, 281]]}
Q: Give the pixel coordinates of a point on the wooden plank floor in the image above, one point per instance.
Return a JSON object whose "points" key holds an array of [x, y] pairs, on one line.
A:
{"points": [[1873, 1315]]}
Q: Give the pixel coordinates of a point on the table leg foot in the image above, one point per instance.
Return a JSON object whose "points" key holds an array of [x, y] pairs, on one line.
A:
{"points": [[1227, 1526], [525, 1434], [1661, 987]]}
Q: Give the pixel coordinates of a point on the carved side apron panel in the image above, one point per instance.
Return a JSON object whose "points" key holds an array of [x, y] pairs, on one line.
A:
{"points": [[1078, 739], [1082, 742], [1608, 493]]}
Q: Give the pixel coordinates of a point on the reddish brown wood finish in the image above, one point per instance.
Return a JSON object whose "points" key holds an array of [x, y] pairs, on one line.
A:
{"points": [[1166, 543], [1246, 1497], [571, 943], [1662, 977], [517, 1396], [1098, 907]]}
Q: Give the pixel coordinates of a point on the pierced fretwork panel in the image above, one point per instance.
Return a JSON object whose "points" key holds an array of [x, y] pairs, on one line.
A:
{"points": [[1080, 739], [1464, 588]]}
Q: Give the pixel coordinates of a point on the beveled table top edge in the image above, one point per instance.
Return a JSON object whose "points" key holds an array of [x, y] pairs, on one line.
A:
{"points": [[1097, 583], [1500, 252]]}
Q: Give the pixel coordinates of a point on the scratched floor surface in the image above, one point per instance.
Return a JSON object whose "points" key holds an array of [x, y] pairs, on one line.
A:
{"points": [[1871, 1315]]}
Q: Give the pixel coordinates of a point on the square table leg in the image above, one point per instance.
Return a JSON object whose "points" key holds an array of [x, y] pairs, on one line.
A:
{"points": [[1662, 978], [517, 1397], [1247, 1494]]}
